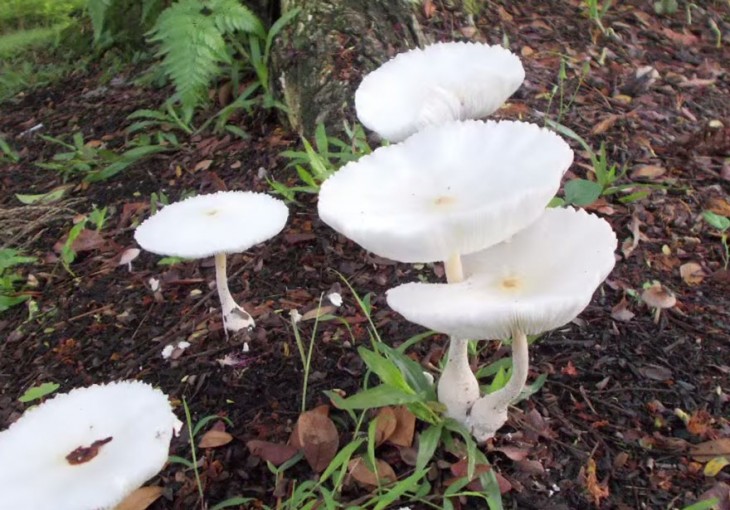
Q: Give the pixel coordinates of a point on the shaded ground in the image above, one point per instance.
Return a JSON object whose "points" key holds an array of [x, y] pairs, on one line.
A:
{"points": [[615, 376]]}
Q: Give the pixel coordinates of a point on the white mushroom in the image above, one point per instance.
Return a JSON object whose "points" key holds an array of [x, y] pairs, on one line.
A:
{"points": [[215, 224], [446, 191], [86, 449], [437, 84], [539, 280]]}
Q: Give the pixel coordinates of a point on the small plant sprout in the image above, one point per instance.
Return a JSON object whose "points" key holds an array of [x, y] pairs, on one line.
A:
{"points": [[539, 280], [88, 448], [447, 191], [215, 224], [440, 83]]}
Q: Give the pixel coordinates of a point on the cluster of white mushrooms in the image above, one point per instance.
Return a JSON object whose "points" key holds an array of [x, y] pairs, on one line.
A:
{"points": [[468, 193], [473, 195]]}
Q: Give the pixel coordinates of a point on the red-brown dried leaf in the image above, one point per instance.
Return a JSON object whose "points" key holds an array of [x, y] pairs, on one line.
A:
{"points": [[214, 438], [276, 453], [316, 435], [140, 499], [360, 472]]}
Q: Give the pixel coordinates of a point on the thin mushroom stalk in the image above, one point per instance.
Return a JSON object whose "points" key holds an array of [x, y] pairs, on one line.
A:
{"points": [[235, 318], [458, 387], [489, 413]]}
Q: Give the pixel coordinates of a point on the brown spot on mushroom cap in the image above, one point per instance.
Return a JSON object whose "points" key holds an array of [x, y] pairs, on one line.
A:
{"points": [[84, 454]]}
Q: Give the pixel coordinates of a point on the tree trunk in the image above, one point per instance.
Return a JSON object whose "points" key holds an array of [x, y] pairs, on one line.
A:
{"points": [[321, 56]]}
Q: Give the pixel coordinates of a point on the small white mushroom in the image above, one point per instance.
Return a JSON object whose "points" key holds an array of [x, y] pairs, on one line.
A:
{"points": [[440, 83], [86, 449], [215, 224], [540, 280]]}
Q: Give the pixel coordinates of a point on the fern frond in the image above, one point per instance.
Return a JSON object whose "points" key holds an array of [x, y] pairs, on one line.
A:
{"points": [[231, 15], [192, 46], [97, 12]]}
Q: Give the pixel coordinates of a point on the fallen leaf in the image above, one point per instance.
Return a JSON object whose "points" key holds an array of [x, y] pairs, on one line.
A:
{"points": [[460, 469], [699, 423], [719, 206], [429, 9], [385, 424], [648, 172], [656, 372], [721, 492], [628, 247], [405, 425], [202, 165], [87, 240], [605, 124], [683, 39], [531, 467], [140, 499], [318, 312], [569, 369], [316, 435], [703, 452], [621, 311], [513, 452], [692, 273], [359, 471], [714, 466], [597, 490], [276, 453], [214, 438]]}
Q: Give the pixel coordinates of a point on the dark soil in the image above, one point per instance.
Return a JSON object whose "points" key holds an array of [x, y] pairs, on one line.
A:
{"points": [[615, 376]]}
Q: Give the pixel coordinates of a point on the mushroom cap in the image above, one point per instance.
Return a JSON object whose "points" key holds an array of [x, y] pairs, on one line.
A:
{"points": [[539, 280], [36, 473], [223, 222], [454, 188], [440, 83]]}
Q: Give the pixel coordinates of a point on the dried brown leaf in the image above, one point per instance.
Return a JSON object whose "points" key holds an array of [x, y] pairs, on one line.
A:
{"points": [[692, 273], [404, 428], [597, 490], [140, 499], [385, 425], [215, 438], [316, 435], [648, 172], [605, 124], [276, 453], [708, 450], [360, 472]]}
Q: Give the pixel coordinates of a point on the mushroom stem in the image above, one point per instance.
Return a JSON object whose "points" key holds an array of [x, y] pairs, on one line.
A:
{"points": [[458, 387], [454, 270], [489, 413], [235, 318]]}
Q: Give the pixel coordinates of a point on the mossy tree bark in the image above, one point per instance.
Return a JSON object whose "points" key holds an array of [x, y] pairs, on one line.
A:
{"points": [[319, 58]]}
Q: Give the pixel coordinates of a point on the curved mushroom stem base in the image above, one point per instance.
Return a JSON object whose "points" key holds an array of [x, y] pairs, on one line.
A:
{"points": [[458, 387], [489, 413], [235, 318]]}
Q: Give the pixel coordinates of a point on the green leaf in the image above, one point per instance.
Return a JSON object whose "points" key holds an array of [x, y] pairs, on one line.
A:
{"points": [[126, 159], [7, 302], [582, 192], [43, 198], [379, 396], [277, 27], [707, 504], [387, 372], [97, 12], [721, 223], [341, 459], [413, 372], [237, 501], [38, 392]]}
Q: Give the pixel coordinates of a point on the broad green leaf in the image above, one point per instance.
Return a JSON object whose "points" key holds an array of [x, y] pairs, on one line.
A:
{"points": [[44, 198], [38, 392], [721, 223], [707, 504], [413, 372], [387, 371], [582, 192], [378, 396]]}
